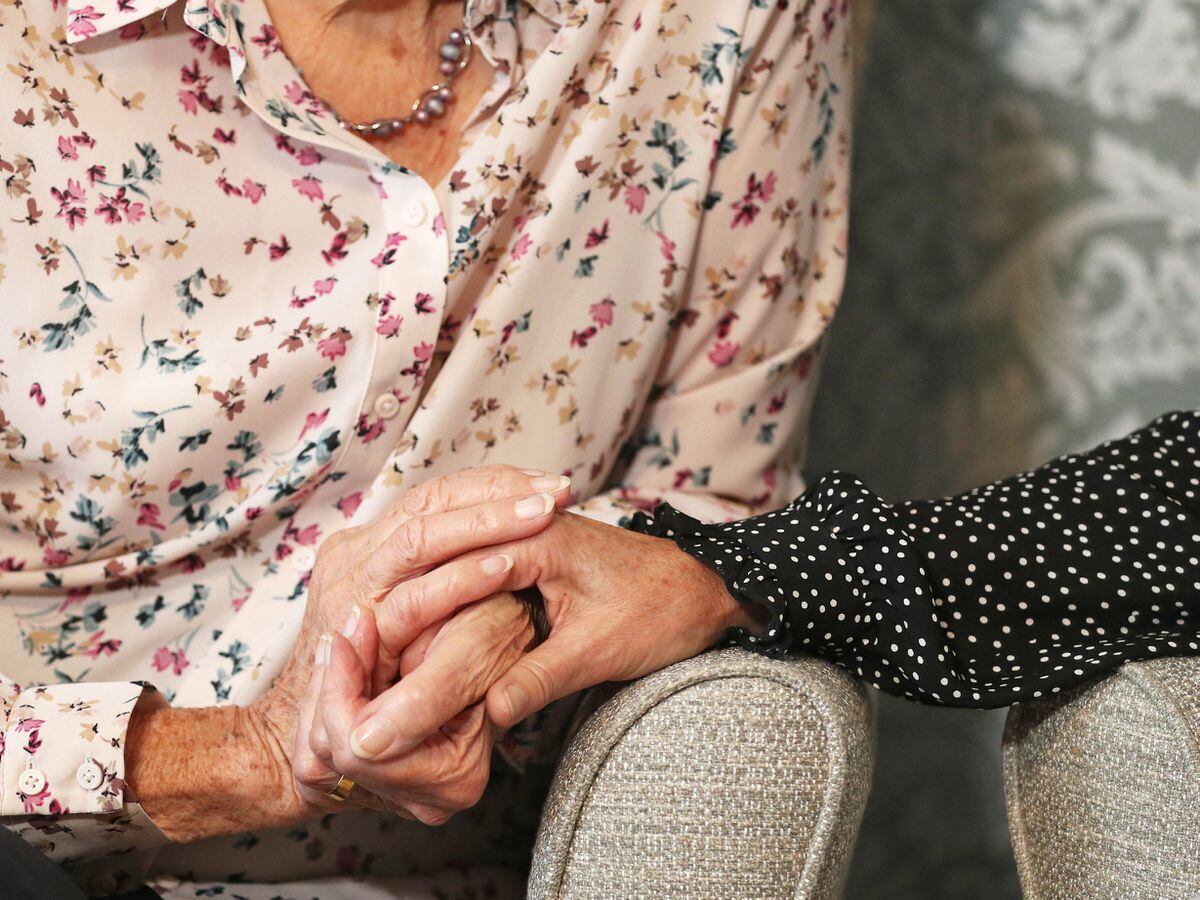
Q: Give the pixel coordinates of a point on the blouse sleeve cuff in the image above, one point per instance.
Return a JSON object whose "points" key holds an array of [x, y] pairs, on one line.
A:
{"points": [[747, 576], [64, 748]]}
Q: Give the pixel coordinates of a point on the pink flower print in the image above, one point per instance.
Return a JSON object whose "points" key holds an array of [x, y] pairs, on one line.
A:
{"points": [[79, 21], [602, 312], [389, 326], [70, 203], [349, 504], [423, 351], [98, 646], [36, 393], [307, 536], [324, 286], [166, 658], [74, 597], [295, 92], [33, 801], [757, 192], [52, 557], [723, 353], [776, 404], [66, 148], [30, 724], [313, 420], [308, 156], [253, 191], [368, 430], [387, 255], [439, 225], [120, 208], [148, 517], [666, 246], [635, 198], [521, 247], [423, 303], [597, 236], [334, 346], [309, 187]]}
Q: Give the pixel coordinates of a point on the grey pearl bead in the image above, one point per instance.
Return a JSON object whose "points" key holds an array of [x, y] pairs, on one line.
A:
{"points": [[421, 116], [451, 51], [446, 94], [381, 128], [447, 67], [397, 126], [435, 107], [457, 37]]}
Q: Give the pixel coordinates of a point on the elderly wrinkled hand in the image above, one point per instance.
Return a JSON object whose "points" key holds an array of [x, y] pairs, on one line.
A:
{"points": [[620, 605], [356, 568]]}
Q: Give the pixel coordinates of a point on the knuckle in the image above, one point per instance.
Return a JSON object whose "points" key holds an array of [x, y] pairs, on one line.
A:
{"points": [[309, 771], [410, 540], [418, 500]]}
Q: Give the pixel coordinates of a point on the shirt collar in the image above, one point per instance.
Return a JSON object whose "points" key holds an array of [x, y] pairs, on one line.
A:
{"points": [[91, 18]]}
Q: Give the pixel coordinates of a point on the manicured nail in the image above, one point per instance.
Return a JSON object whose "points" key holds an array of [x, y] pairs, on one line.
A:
{"points": [[534, 507], [494, 565], [516, 698], [372, 737], [324, 650], [550, 484], [351, 623]]}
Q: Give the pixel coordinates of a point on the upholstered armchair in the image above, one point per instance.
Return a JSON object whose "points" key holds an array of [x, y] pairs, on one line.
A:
{"points": [[728, 775], [1103, 786]]}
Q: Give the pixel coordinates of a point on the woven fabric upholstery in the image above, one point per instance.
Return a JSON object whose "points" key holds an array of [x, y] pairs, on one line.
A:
{"points": [[1103, 786], [728, 775]]}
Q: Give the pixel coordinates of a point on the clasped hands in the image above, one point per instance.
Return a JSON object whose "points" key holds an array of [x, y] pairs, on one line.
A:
{"points": [[414, 653]]}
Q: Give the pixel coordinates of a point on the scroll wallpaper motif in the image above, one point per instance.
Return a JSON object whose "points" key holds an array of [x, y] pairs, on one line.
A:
{"points": [[1024, 281]]}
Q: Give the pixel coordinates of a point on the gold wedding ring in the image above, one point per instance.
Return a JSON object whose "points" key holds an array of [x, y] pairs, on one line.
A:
{"points": [[342, 790]]}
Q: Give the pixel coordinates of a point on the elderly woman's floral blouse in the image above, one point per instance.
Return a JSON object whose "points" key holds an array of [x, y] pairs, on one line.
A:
{"points": [[231, 329]]}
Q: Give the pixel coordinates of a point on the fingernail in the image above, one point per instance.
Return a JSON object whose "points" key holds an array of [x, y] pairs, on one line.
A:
{"points": [[372, 737], [535, 506], [324, 650], [494, 565], [351, 623], [534, 472], [550, 484], [516, 698]]}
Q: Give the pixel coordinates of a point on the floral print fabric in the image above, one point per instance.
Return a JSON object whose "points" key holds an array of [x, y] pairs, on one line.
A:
{"points": [[231, 329]]}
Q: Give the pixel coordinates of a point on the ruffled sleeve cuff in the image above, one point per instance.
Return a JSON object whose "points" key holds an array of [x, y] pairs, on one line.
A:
{"points": [[750, 576]]}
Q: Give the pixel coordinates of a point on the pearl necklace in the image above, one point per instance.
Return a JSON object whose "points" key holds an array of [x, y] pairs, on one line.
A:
{"points": [[431, 104]]}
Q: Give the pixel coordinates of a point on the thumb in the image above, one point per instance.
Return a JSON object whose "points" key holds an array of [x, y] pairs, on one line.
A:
{"points": [[547, 673]]}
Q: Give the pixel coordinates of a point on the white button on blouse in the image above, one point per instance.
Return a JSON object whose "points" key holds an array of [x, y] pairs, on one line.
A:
{"points": [[32, 781], [303, 559], [386, 406], [89, 775], [413, 213]]}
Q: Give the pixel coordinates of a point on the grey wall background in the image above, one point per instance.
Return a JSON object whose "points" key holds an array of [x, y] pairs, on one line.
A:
{"points": [[1024, 281]]}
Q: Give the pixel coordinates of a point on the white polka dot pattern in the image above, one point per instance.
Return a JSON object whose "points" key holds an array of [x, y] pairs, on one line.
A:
{"points": [[1011, 591]]}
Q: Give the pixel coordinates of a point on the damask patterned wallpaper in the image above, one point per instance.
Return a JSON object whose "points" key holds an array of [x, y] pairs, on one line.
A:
{"points": [[1024, 281]]}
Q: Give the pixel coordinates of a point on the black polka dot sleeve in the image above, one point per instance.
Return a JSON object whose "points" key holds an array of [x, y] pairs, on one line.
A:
{"points": [[1011, 591]]}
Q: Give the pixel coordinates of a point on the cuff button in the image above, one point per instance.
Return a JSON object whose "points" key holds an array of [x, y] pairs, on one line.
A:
{"points": [[89, 775], [32, 781]]}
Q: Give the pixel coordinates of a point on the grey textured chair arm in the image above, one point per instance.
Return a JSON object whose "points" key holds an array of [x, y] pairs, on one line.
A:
{"points": [[1103, 786], [728, 775]]}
